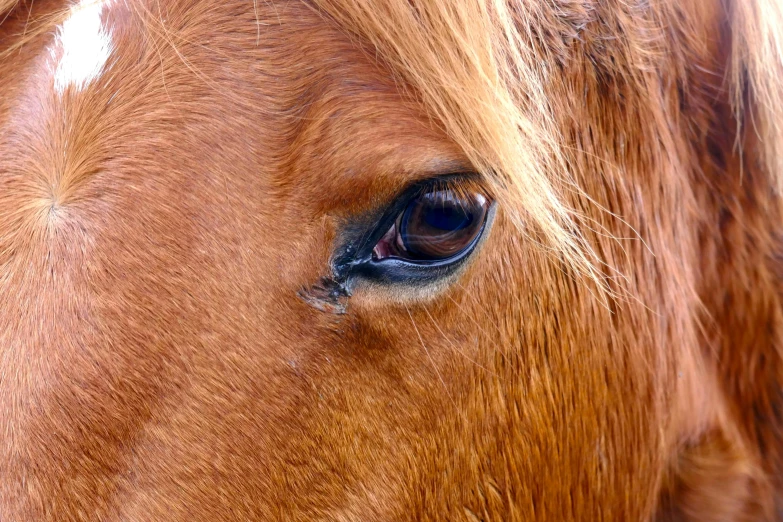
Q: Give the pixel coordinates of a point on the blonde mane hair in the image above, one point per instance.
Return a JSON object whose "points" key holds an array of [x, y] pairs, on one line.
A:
{"points": [[757, 75], [481, 74]]}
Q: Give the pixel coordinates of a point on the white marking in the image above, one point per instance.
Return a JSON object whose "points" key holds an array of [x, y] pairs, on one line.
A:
{"points": [[85, 46]]}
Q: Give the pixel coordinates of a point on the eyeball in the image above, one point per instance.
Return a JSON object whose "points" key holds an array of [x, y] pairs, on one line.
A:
{"points": [[434, 226]]}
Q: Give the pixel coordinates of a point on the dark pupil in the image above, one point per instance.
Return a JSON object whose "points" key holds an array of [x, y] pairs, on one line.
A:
{"points": [[440, 224], [447, 218]]}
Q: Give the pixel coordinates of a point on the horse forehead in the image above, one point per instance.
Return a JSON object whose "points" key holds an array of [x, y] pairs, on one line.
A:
{"points": [[82, 46]]}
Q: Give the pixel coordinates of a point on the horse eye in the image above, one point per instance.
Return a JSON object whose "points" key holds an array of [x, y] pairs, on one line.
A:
{"points": [[436, 225]]}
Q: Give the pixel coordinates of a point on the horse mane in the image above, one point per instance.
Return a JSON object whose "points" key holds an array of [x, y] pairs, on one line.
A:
{"points": [[480, 71], [6, 6], [756, 73]]}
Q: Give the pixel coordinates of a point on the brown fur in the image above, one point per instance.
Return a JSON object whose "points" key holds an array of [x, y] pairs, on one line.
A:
{"points": [[613, 352]]}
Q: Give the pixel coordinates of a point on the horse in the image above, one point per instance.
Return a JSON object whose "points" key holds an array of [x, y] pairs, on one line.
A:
{"points": [[391, 260]]}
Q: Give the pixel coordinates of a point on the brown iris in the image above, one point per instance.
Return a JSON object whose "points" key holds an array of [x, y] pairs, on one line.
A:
{"points": [[436, 225]]}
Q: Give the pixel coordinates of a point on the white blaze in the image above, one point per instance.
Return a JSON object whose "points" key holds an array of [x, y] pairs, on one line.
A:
{"points": [[85, 46]]}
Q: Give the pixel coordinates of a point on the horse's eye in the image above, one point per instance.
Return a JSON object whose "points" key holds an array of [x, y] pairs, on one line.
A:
{"points": [[426, 235], [435, 226]]}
